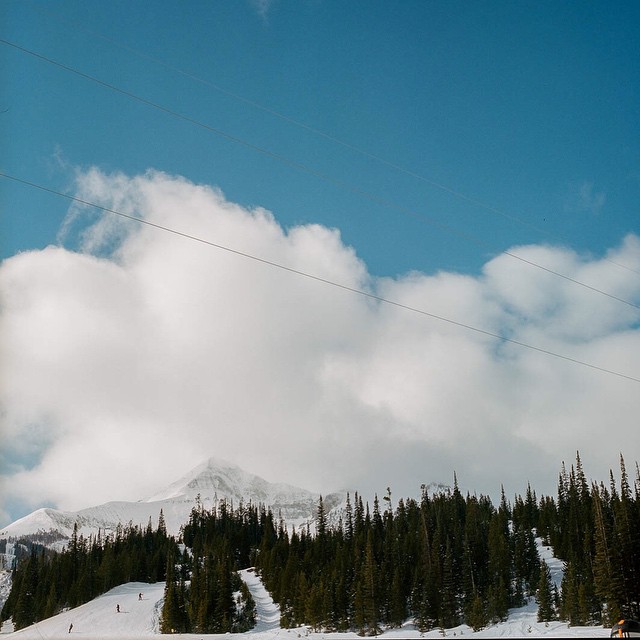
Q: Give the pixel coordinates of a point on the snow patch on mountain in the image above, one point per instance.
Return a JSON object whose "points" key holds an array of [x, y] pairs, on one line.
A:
{"points": [[218, 479], [211, 482]]}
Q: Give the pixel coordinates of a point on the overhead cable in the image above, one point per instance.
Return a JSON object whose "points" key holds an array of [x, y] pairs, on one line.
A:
{"points": [[326, 281], [334, 139], [309, 170]]}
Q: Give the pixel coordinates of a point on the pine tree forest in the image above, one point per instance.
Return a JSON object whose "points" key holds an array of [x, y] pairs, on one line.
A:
{"points": [[441, 560]]}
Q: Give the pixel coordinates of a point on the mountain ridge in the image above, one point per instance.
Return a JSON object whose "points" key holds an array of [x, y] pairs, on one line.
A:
{"points": [[210, 482]]}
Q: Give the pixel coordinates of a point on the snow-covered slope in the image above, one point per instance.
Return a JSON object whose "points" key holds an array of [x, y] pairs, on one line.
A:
{"points": [[140, 618], [100, 618], [213, 481]]}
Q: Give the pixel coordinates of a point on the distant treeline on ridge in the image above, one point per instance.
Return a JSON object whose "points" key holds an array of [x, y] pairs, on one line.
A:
{"points": [[441, 560]]}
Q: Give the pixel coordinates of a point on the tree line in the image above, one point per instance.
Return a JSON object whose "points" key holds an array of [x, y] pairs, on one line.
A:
{"points": [[45, 582], [448, 559], [203, 592], [442, 560], [595, 529]]}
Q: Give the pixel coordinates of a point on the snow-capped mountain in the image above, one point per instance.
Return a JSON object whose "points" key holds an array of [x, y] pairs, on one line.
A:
{"points": [[213, 481]]}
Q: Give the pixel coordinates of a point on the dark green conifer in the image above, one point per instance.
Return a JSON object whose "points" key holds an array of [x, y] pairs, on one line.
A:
{"points": [[477, 617], [544, 594], [25, 612]]}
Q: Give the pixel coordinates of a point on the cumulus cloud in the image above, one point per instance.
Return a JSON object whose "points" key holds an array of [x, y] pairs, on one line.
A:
{"points": [[132, 358]]}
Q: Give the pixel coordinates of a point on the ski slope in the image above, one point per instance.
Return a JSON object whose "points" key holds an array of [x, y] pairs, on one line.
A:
{"points": [[140, 619], [100, 619]]}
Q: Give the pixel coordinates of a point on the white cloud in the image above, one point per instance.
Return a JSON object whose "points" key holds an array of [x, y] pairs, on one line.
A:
{"points": [[147, 352], [583, 197], [262, 7]]}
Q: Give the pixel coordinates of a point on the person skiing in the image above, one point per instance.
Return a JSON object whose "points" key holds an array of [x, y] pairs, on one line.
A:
{"points": [[117, 608], [139, 596], [70, 627]]}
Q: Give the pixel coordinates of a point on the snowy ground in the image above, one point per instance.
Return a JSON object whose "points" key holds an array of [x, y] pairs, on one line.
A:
{"points": [[139, 618], [100, 619]]}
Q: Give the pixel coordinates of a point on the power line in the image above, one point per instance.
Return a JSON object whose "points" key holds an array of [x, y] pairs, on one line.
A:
{"points": [[326, 281], [306, 169], [334, 139]]}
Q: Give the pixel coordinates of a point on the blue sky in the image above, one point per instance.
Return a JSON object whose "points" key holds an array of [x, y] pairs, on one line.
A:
{"points": [[400, 148], [528, 108]]}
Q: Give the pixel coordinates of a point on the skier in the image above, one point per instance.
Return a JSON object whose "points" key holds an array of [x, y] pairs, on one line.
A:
{"points": [[117, 608], [70, 627], [139, 596]]}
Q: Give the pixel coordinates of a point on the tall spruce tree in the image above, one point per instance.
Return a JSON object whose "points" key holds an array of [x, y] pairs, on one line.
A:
{"points": [[171, 619], [25, 613], [544, 594]]}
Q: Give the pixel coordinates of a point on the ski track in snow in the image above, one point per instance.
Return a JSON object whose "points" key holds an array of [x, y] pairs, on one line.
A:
{"points": [[267, 611]]}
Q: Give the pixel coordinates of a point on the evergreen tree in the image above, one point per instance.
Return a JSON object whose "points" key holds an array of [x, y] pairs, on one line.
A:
{"points": [[314, 612], [51, 607], [25, 612], [544, 594], [369, 581], [449, 604], [246, 611], [225, 605], [499, 569], [170, 619], [477, 617]]}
